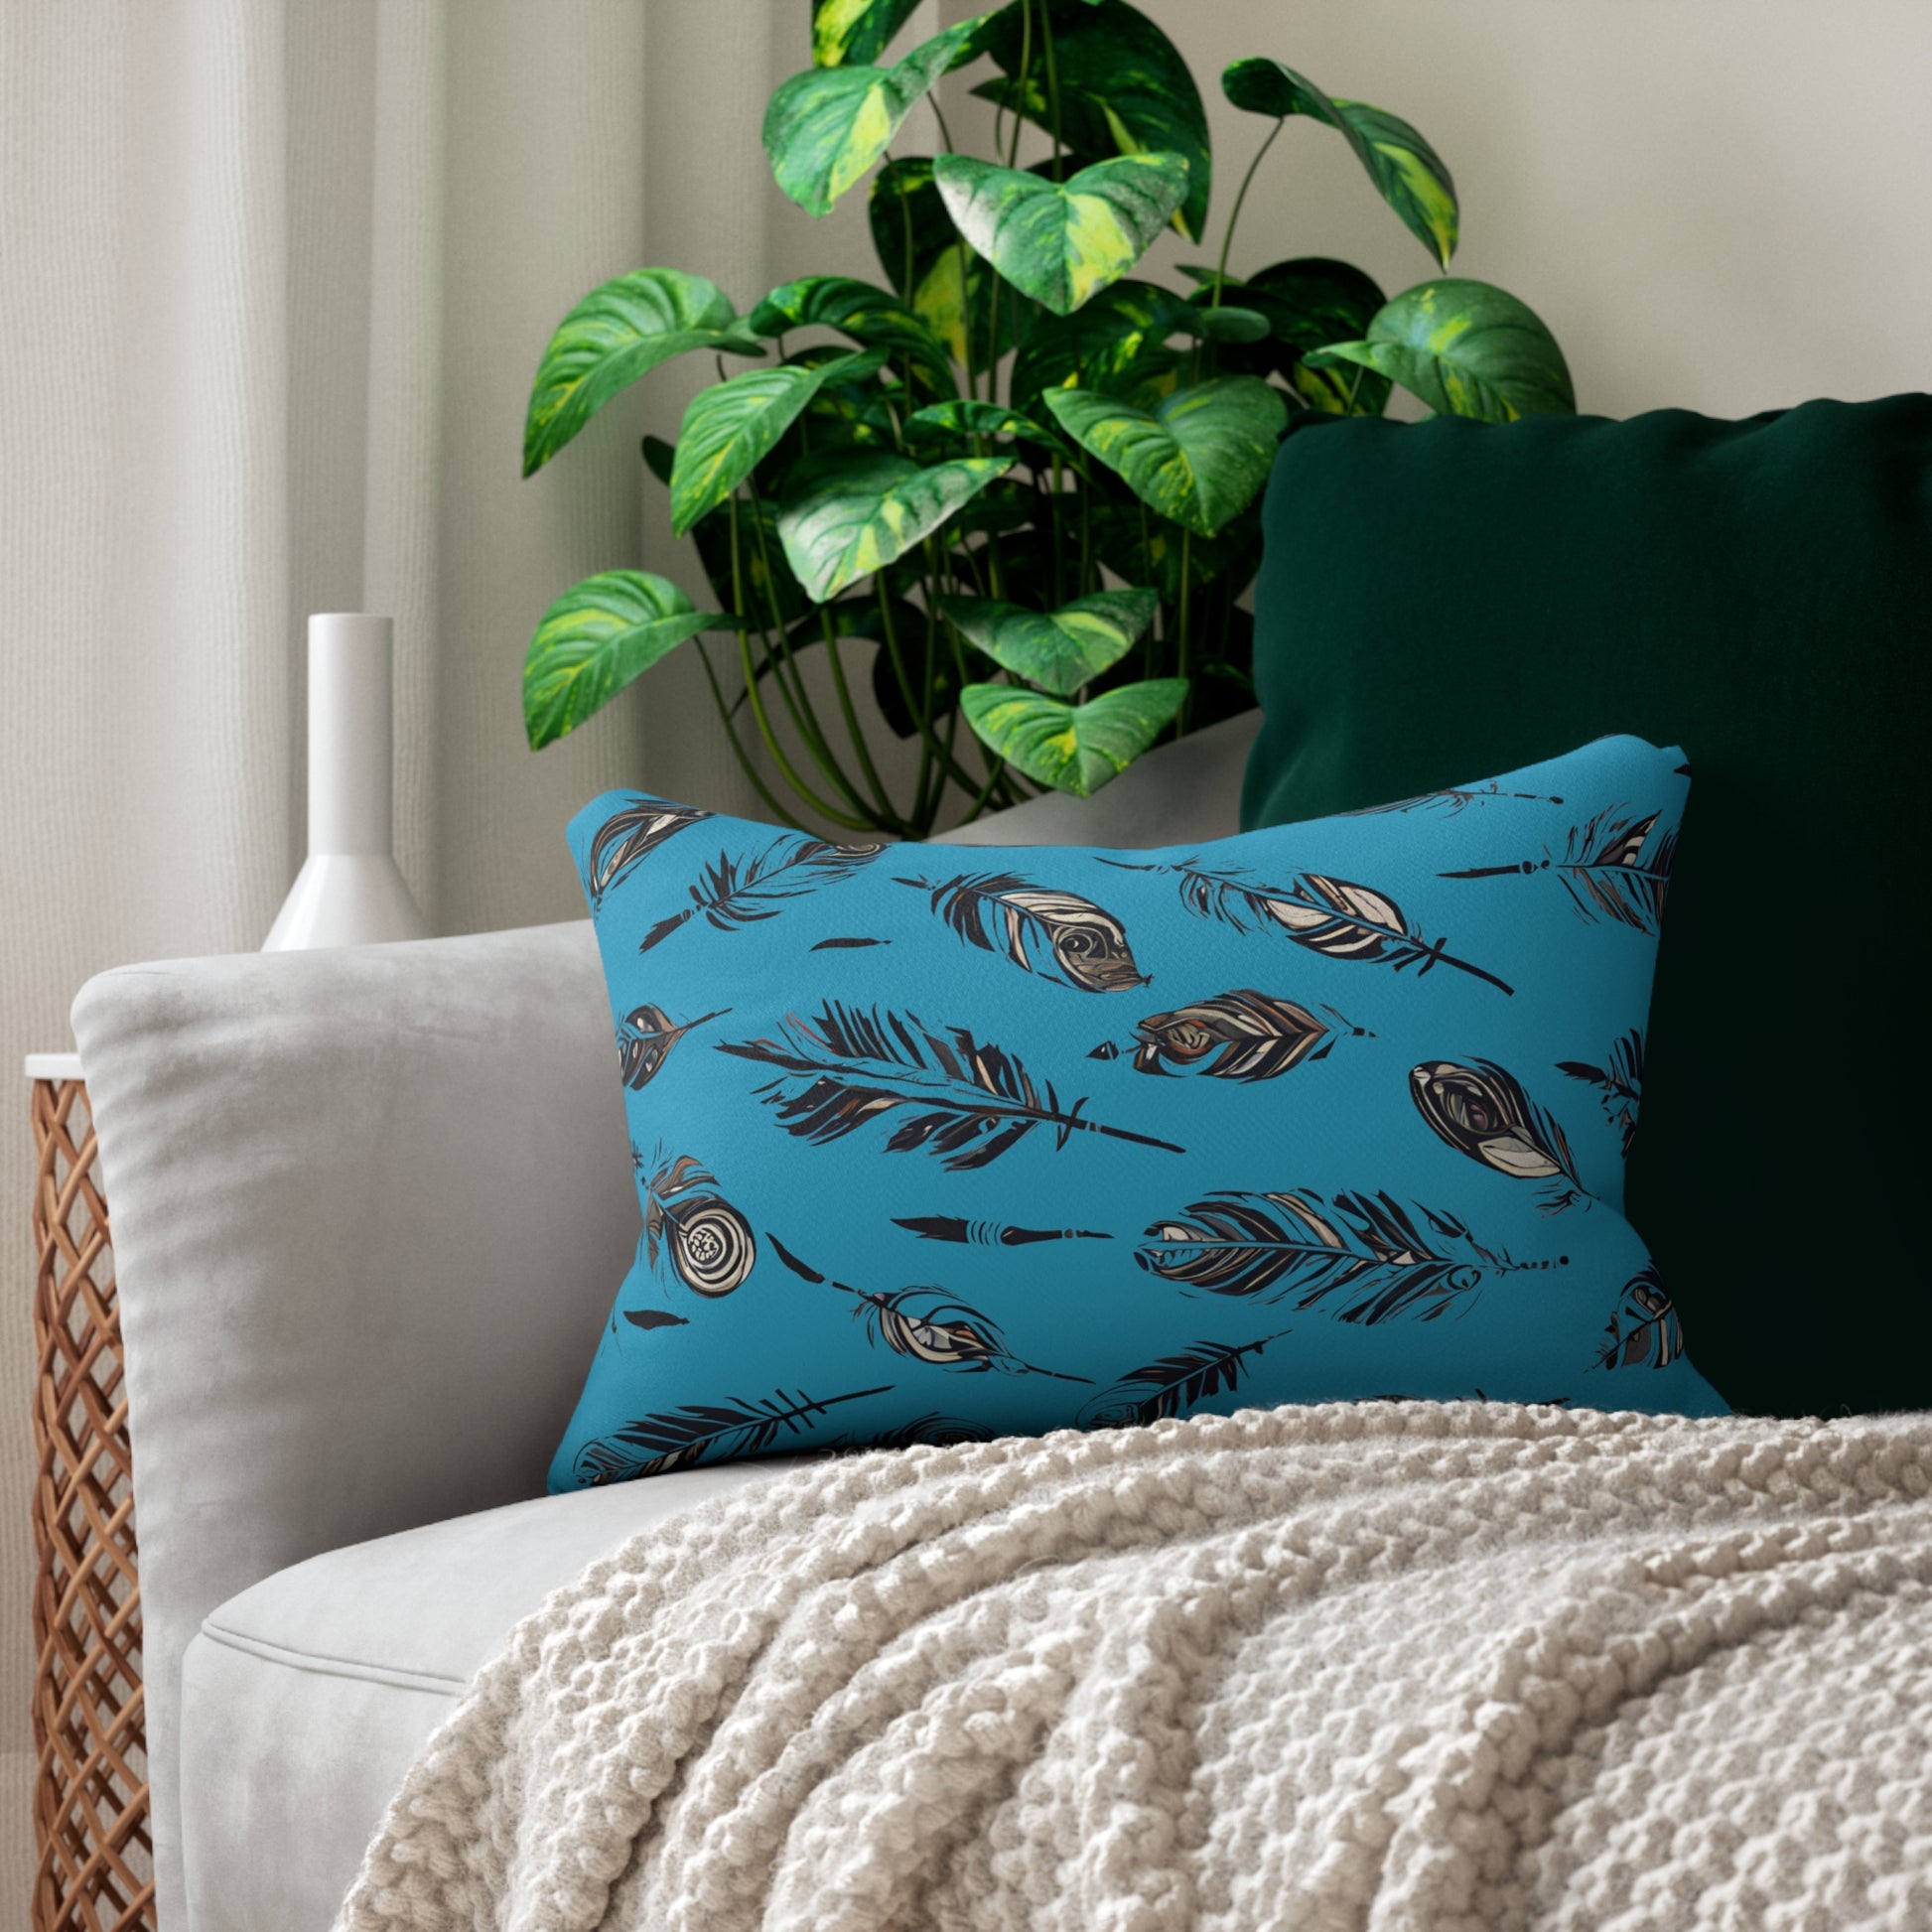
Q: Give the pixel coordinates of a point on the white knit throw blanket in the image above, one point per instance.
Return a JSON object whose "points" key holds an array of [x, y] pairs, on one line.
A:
{"points": [[1387, 1667]]}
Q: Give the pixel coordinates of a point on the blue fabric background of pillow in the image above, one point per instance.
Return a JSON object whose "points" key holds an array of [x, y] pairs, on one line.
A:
{"points": [[934, 1143]]}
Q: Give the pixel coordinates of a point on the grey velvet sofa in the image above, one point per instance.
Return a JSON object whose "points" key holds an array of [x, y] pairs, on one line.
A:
{"points": [[370, 1209]]}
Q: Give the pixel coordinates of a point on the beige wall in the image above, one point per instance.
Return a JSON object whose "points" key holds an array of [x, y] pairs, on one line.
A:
{"points": [[1719, 205]]}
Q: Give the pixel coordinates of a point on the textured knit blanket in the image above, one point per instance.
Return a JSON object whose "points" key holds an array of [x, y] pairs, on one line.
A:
{"points": [[1391, 1666]]}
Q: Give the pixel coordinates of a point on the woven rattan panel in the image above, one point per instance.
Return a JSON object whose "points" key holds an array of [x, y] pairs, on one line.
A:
{"points": [[90, 1797]]}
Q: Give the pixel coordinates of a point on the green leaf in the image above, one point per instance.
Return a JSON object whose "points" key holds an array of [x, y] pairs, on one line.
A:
{"points": [[826, 126], [855, 33], [610, 338], [1062, 242], [1310, 301], [659, 456], [1111, 345], [1407, 172], [1200, 456], [1076, 747], [848, 514], [730, 428], [959, 419], [1124, 88], [594, 639], [1227, 324], [1466, 349], [871, 317], [1059, 651], [951, 290]]}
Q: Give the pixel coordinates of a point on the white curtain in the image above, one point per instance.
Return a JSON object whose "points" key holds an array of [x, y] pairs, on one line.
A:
{"points": [[276, 275]]}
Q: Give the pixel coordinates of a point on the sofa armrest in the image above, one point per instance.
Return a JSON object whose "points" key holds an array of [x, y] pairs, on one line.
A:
{"points": [[370, 1210]]}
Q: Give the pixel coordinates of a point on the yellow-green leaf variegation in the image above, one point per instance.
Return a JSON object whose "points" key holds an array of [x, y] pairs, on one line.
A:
{"points": [[594, 639], [1407, 172], [613, 337], [848, 516], [730, 428], [1076, 747], [1059, 651], [1200, 456], [825, 127], [1062, 242], [1466, 348]]}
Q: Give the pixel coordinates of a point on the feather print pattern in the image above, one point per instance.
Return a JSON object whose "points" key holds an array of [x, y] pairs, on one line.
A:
{"points": [[925, 1324], [930, 1431], [632, 834], [1242, 1036], [957, 1097], [709, 1243], [646, 1037], [940, 1151], [1360, 1257], [1620, 1082], [1335, 918], [1172, 1385], [1610, 869], [1451, 801], [1643, 1330], [733, 894], [1481, 1110], [703, 1432], [1057, 936], [988, 1234]]}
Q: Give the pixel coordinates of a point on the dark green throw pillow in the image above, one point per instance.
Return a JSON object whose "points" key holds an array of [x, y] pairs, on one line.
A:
{"points": [[1446, 598]]}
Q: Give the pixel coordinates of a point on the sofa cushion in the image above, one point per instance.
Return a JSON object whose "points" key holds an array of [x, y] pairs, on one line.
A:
{"points": [[934, 1149], [306, 1698], [1447, 598]]}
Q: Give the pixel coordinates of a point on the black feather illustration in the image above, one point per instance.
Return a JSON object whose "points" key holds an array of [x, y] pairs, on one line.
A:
{"points": [[1057, 936], [1333, 918], [1643, 1330], [1620, 1082], [630, 835], [926, 1325], [1173, 1384], [989, 1234], [847, 945], [930, 1431], [733, 894], [1451, 801], [1609, 866], [1242, 1036], [654, 1446], [709, 1243], [655, 1318], [1360, 1254], [968, 1101], [645, 1037], [1480, 1110]]}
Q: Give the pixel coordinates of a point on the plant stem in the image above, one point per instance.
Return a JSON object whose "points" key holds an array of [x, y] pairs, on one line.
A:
{"points": [[750, 770], [756, 701], [1052, 82], [888, 816], [1234, 213], [1019, 84], [790, 681]]}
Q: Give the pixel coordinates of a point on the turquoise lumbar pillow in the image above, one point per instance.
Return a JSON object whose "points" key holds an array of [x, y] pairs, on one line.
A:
{"points": [[937, 1142]]}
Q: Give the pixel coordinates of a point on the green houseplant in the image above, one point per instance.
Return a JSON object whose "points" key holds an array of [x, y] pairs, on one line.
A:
{"points": [[1023, 480]]}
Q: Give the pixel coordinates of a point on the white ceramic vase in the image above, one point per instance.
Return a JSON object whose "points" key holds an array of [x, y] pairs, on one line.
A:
{"points": [[349, 891]]}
